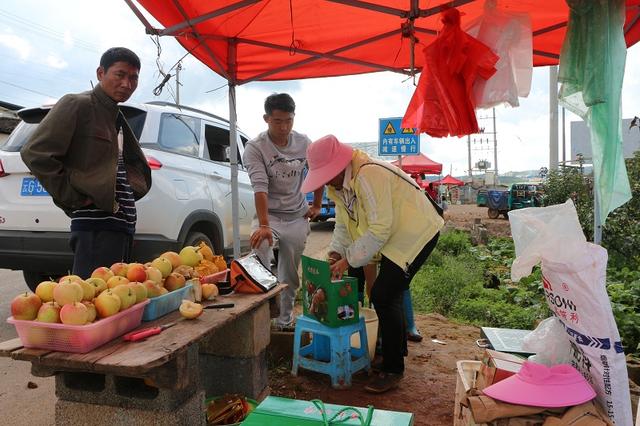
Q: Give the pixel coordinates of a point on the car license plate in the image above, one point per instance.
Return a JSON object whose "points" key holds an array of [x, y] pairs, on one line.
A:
{"points": [[31, 187]]}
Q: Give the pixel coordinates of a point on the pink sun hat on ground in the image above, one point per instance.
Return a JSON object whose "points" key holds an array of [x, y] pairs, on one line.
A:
{"points": [[326, 157], [542, 386]]}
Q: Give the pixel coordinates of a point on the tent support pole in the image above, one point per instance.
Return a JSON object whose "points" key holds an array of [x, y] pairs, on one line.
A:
{"points": [[233, 143], [553, 117]]}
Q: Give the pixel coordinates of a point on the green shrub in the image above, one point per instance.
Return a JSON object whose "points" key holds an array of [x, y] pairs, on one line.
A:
{"points": [[454, 242], [490, 313]]}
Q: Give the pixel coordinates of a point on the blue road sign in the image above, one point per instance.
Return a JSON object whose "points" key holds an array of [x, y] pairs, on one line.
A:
{"points": [[395, 140]]}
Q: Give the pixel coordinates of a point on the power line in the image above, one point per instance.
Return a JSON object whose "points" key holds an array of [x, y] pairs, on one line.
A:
{"points": [[28, 90]]}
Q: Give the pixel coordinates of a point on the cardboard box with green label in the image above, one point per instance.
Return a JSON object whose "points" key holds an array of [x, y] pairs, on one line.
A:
{"points": [[332, 302]]}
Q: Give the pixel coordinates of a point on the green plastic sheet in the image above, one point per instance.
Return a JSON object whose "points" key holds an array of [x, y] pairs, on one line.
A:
{"points": [[591, 71]]}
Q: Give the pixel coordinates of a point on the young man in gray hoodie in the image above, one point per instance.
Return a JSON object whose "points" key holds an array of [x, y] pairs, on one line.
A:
{"points": [[276, 160]]}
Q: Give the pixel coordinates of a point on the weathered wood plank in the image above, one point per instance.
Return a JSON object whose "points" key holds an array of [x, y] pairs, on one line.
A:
{"points": [[9, 346], [141, 358]]}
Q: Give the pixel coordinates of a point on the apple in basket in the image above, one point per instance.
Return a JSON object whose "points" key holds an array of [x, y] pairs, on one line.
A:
{"points": [[116, 281], [99, 284], [139, 290], [107, 304], [136, 272], [67, 291], [25, 306], [153, 290], [74, 278], [126, 294], [88, 290], [74, 314], [190, 310], [173, 257], [91, 309], [119, 268], [189, 256], [154, 275], [49, 312], [174, 281], [44, 290], [163, 265], [102, 272]]}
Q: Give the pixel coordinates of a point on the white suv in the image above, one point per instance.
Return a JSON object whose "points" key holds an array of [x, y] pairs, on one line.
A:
{"points": [[189, 201]]}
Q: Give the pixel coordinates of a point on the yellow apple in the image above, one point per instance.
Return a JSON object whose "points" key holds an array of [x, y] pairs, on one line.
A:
{"points": [[67, 291], [136, 272], [91, 309], [116, 281], [189, 256], [153, 290], [99, 284], [126, 295], [173, 257], [119, 268], [107, 304], [74, 278], [49, 312], [163, 265], [174, 281], [25, 306], [139, 290], [44, 290], [88, 290], [209, 291], [103, 273], [154, 275], [74, 314], [190, 310]]}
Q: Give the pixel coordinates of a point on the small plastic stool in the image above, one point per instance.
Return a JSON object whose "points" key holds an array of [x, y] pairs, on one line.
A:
{"points": [[336, 361]]}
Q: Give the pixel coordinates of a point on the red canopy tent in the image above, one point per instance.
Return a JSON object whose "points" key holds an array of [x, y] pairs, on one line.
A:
{"points": [[419, 164], [257, 40], [448, 180]]}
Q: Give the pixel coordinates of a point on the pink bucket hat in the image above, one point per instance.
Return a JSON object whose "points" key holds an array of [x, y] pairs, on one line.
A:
{"points": [[542, 386], [326, 157]]}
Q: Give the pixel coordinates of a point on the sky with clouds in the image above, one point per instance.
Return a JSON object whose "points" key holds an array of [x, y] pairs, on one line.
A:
{"points": [[49, 48]]}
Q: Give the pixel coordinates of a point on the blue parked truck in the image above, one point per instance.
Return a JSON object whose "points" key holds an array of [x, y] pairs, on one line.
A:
{"points": [[518, 196], [328, 209]]}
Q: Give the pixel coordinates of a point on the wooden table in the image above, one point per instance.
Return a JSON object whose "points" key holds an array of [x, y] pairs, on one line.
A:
{"points": [[163, 379]]}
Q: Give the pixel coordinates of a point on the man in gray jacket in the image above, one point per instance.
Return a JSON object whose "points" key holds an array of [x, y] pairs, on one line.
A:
{"points": [[276, 160], [86, 156]]}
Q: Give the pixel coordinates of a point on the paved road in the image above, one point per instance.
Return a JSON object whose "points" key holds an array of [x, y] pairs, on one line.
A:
{"points": [[21, 405]]}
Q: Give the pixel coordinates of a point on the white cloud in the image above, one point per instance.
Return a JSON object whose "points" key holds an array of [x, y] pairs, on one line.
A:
{"points": [[56, 62], [20, 45]]}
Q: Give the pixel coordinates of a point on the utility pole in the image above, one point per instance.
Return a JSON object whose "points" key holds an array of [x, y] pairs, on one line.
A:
{"points": [[495, 144], [553, 117], [564, 140], [469, 150]]}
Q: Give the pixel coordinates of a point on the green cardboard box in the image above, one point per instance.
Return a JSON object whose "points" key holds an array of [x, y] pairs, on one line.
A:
{"points": [[333, 303], [276, 411]]}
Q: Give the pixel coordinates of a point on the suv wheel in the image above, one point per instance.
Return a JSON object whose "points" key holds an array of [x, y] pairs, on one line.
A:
{"points": [[33, 278], [194, 238]]}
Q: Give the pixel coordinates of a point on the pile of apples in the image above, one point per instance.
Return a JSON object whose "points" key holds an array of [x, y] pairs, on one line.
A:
{"points": [[76, 301]]}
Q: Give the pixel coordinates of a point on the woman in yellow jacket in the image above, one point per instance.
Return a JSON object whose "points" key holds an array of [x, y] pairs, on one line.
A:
{"points": [[379, 210]]}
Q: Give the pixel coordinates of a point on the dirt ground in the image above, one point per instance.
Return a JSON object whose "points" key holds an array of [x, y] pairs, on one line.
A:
{"points": [[428, 386]]}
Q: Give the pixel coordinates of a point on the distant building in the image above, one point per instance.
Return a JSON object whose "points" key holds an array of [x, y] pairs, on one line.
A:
{"points": [[581, 140]]}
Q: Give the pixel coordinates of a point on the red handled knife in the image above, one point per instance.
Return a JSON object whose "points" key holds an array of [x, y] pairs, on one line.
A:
{"points": [[136, 335]]}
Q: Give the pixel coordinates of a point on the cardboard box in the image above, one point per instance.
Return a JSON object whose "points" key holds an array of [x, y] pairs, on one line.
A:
{"points": [[333, 303], [497, 366]]}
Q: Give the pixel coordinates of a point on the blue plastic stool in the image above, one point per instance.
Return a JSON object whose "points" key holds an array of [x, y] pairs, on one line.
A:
{"points": [[336, 360]]}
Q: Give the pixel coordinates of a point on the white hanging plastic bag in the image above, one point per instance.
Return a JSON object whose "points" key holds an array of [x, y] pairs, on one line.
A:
{"points": [[574, 279], [509, 35]]}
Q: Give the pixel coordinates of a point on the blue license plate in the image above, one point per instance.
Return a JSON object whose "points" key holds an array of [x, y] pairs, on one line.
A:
{"points": [[31, 187]]}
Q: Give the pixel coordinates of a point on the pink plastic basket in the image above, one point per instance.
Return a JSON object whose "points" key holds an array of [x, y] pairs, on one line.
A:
{"points": [[78, 338]]}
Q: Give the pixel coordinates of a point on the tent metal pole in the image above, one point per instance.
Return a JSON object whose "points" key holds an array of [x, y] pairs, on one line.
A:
{"points": [[597, 221], [233, 143]]}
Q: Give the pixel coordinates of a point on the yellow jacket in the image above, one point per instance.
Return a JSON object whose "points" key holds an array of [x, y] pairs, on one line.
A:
{"points": [[381, 210]]}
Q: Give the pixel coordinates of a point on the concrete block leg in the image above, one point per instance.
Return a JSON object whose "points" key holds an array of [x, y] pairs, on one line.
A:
{"points": [[190, 413]]}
